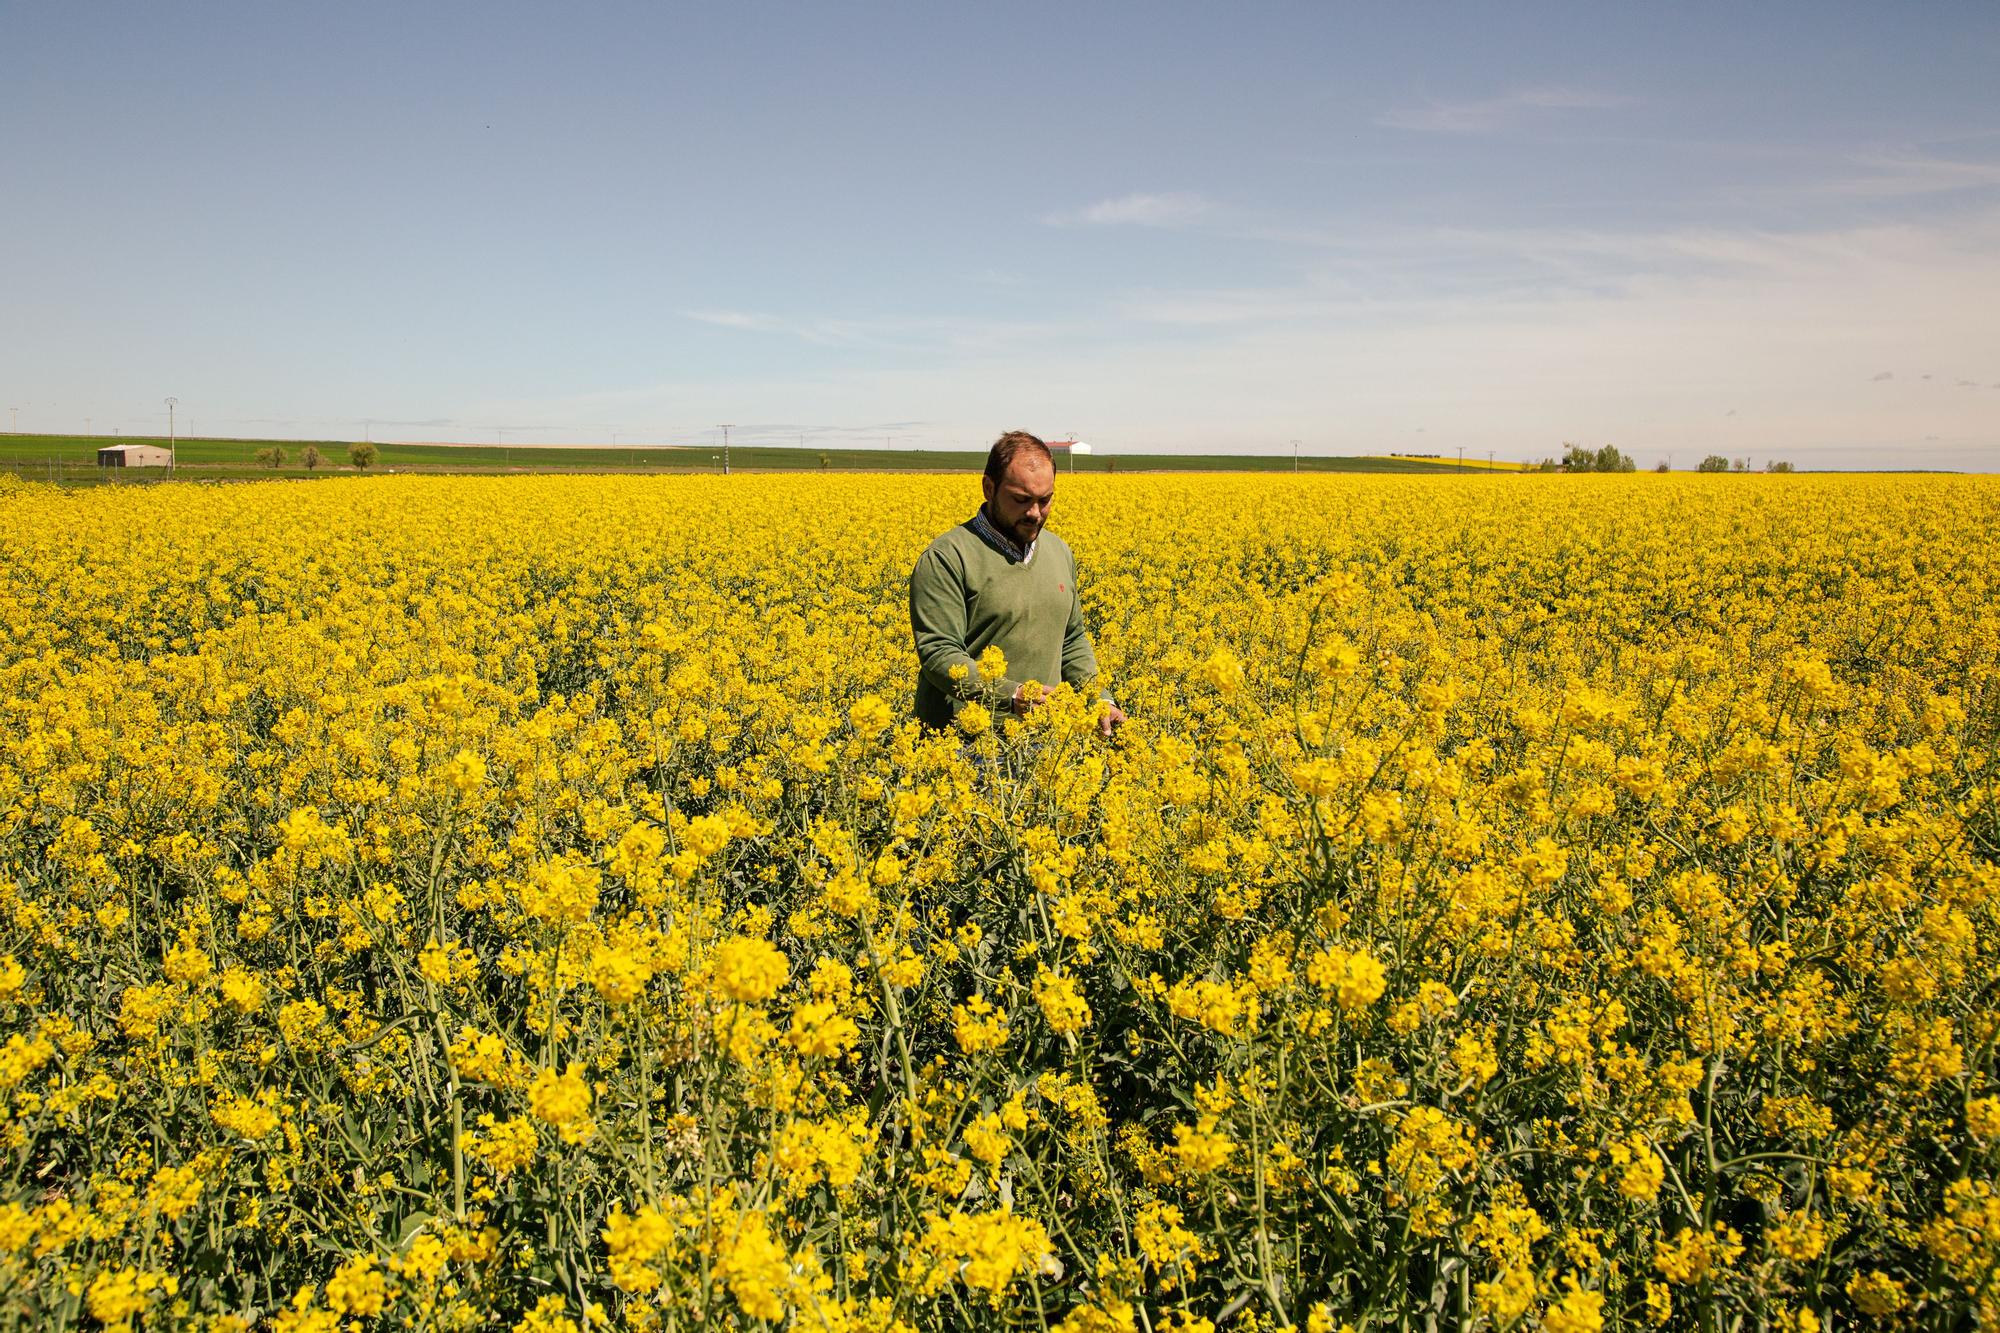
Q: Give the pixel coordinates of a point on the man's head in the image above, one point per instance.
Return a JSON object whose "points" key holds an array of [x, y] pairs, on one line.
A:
{"points": [[1020, 485]]}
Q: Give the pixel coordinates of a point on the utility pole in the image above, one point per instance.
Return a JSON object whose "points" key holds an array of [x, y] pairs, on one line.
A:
{"points": [[1489, 460], [172, 403], [1461, 458], [1295, 456], [726, 427]]}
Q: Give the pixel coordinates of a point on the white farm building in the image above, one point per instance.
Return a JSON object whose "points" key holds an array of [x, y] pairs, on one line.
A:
{"points": [[133, 455]]}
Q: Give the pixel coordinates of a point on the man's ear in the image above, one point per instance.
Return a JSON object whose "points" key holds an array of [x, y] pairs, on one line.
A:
{"points": [[986, 486]]}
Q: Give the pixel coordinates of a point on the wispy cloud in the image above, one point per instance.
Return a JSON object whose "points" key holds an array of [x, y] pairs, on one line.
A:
{"points": [[731, 319], [1900, 175], [1491, 114], [825, 332], [1356, 275], [1136, 210], [1882, 375]]}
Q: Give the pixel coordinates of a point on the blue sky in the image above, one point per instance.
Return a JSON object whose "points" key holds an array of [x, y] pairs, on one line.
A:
{"points": [[1765, 230]]}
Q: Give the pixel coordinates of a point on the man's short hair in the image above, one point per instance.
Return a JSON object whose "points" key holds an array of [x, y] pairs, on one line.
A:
{"points": [[1001, 456]]}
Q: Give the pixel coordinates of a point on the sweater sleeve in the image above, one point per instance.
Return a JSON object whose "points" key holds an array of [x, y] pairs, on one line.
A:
{"points": [[1079, 658], [938, 624]]}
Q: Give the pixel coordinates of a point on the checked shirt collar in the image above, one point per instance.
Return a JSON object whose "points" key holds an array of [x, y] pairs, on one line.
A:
{"points": [[999, 540]]}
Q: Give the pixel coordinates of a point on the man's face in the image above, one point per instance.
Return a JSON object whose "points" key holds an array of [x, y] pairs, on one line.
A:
{"points": [[1020, 504]]}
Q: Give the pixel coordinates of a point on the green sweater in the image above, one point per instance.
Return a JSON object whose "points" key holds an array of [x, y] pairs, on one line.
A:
{"points": [[965, 596]]}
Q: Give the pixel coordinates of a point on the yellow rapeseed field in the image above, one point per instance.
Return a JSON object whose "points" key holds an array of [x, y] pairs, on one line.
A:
{"points": [[1516, 901]]}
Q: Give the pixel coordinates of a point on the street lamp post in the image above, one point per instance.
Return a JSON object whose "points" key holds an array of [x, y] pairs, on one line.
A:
{"points": [[172, 403], [726, 427]]}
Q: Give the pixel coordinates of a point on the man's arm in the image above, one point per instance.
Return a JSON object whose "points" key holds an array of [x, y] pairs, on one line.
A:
{"points": [[938, 623], [1079, 658]]}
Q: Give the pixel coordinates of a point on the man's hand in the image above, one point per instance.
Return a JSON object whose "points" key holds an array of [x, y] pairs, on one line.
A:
{"points": [[1024, 701]]}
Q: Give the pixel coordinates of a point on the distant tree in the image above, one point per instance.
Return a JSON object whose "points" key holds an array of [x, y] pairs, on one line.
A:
{"points": [[273, 457], [1579, 458], [1778, 465], [362, 456], [1547, 465], [1740, 465], [310, 457], [1613, 459], [1661, 466], [1713, 463]]}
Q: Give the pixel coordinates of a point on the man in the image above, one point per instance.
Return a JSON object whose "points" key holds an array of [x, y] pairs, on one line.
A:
{"points": [[999, 579]]}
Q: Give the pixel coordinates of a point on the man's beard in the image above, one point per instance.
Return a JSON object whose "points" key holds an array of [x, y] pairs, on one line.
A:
{"points": [[1017, 532]]}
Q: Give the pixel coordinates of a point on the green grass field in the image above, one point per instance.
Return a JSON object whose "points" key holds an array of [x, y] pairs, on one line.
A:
{"points": [[72, 459]]}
